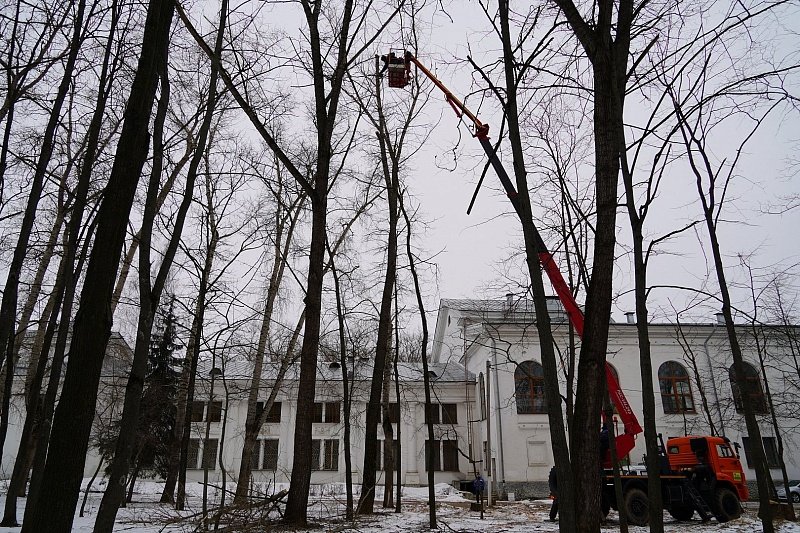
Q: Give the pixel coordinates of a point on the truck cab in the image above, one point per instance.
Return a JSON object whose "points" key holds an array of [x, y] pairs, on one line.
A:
{"points": [[711, 459]]}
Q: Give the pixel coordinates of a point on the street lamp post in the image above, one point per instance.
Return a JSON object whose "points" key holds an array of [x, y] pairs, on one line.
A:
{"points": [[213, 374]]}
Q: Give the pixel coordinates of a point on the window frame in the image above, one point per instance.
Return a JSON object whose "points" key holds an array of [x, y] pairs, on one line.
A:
{"points": [[755, 394], [529, 391], [268, 455], [671, 385], [770, 451], [325, 455], [327, 412]]}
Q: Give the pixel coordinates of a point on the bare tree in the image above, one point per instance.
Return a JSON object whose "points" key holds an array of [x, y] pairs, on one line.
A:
{"points": [[8, 308], [712, 183], [54, 507]]}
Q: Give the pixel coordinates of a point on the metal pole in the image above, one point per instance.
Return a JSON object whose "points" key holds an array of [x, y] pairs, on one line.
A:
{"points": [[488, 451]]}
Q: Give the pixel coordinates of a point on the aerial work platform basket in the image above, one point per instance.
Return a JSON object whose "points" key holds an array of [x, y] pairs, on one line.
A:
{"points": [[399, 68]]}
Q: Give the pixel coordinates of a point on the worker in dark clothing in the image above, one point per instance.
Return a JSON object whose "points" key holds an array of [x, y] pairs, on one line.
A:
{"points": [[477, 488], [605, 442], [552, 480]]}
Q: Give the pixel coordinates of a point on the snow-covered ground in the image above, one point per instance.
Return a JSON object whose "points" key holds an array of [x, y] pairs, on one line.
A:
{"points": [[326, 507]]}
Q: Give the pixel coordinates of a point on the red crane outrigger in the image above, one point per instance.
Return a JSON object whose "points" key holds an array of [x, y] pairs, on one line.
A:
{"points": [[399, 70]]}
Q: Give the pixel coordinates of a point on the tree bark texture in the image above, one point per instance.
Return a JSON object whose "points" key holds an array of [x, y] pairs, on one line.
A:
{"points": [[391, 172], [254, 420]]}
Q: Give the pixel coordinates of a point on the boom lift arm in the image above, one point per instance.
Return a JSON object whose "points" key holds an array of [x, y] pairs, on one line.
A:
{"points": [[399, 68]]}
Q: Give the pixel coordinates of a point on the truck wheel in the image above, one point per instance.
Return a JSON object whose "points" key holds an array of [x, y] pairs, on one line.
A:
{"points": [[682, 512], [637, 507], [726, 505]]}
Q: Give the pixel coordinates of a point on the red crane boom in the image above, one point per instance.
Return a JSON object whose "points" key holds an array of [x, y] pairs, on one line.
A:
{"points": [[399, 68]]}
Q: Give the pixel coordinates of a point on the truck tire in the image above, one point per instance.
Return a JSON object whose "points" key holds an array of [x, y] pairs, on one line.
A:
{"points": [[637, 507], [726, 505], [681, 512]]}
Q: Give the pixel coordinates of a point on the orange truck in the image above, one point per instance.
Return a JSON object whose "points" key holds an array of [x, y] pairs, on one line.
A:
{"points": [[700, 474]]}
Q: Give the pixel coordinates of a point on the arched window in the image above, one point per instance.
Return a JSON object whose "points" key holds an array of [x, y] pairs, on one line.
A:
{"points": [[751, 388], [529, 381], [676, 392]]}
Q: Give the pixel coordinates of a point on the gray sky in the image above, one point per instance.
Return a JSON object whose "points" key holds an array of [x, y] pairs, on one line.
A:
{"points": [[472, 245]]}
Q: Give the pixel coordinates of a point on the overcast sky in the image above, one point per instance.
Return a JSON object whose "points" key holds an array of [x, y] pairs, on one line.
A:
{"points": [[471, 246]]}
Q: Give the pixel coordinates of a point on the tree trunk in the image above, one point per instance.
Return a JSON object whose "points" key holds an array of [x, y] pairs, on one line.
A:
{"points": [[763, 477], [346, 403], [382, 348], [561, 452], [64, 292], [54, 508], [652, 458], [33, 297], [326, 107], [388, 438], [89, 486], [19, 476], [150, 297], [426, 376], [8, 308], [193, 354], [254, 420]]}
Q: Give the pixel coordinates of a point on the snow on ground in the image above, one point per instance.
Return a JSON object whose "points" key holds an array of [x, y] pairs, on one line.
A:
{"points": [[326, 510]]}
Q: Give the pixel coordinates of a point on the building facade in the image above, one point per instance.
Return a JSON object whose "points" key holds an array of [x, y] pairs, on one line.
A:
{"points": [[489, 408], [695, 392]]}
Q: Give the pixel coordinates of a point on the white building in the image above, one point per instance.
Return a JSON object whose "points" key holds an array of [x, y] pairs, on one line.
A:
{"points": [[224, 418], [488, 398], [497, 339]]}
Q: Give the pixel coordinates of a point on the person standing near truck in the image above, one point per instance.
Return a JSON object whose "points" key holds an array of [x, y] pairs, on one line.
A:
{"points": [[552, 481]]}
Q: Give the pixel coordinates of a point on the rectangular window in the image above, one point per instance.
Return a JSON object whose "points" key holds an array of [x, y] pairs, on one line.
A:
{"points": [[432, 415], [324, 454], [214, 412], [449, 413], [331, 459], [198, 409], [433, 456], [394, 413], [450, 455], [327, 412], [333, 412], [210, 454], [193, 454], [270, 454], [446, 413], [770, 451], [274, 415]]}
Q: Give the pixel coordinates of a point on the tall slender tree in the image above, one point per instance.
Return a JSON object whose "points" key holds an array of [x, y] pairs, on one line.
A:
{"points": [[8, 307], [54, 507]]}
